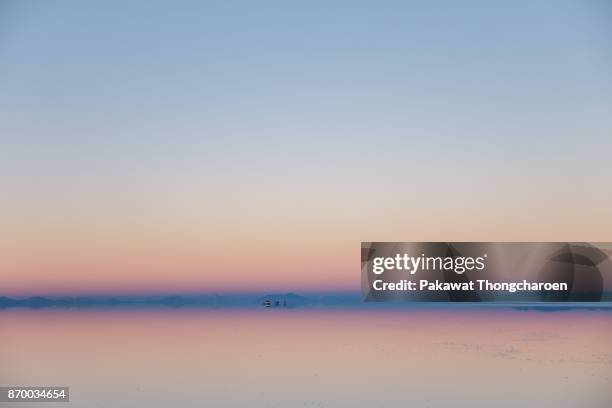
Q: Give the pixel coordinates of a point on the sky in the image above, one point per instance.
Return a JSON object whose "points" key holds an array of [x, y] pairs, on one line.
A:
{"points": [[251, 146]]}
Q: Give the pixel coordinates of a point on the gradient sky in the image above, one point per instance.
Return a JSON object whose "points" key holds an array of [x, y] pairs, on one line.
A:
{"points": [[221, 146]]}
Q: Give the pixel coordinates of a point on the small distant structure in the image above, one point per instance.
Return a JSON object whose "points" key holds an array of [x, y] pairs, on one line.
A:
{"points": [[275, 301], [283, 300]]}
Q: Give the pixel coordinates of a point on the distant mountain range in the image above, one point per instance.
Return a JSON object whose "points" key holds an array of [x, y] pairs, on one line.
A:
{"points": [[341, 300], [290, 300], [38, 302]]}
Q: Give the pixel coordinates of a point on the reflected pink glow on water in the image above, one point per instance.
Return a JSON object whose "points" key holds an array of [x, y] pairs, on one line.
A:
{"points": [[312, 358]]}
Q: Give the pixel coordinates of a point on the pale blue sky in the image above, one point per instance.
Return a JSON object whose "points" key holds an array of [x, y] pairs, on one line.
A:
{"points": [[109, 90], [288, 74]]}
